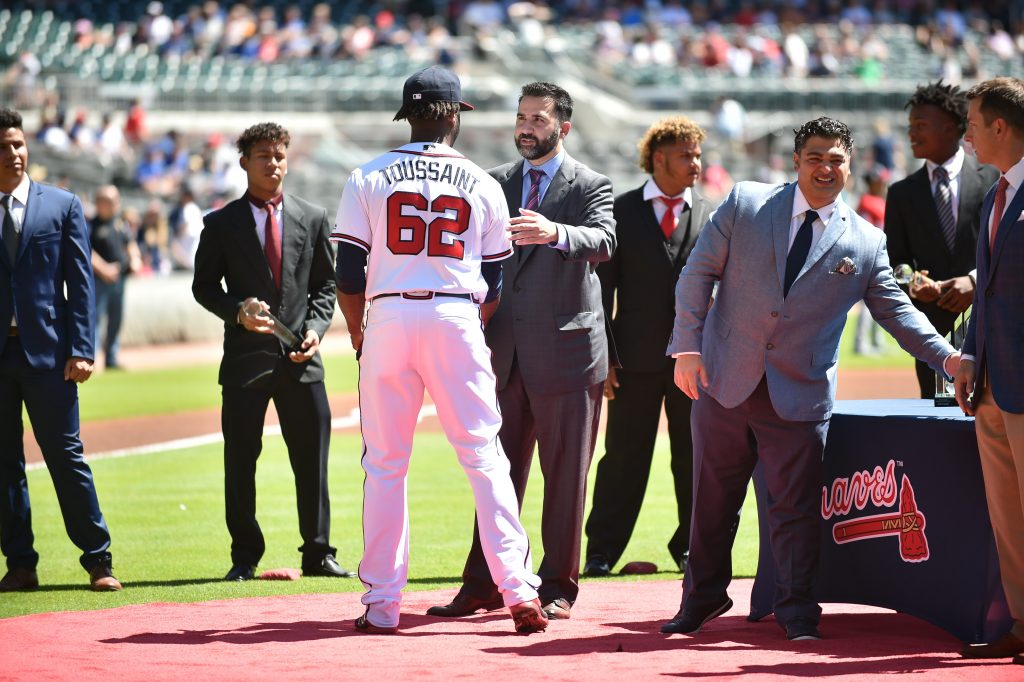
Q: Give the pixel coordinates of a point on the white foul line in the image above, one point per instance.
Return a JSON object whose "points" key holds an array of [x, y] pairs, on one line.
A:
{"points": [[349, 421]]}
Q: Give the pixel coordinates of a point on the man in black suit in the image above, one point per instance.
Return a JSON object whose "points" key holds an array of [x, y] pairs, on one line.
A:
{"points": [[46, 349], [550, 351], [272, 251], [656, 226], [931, 216]]}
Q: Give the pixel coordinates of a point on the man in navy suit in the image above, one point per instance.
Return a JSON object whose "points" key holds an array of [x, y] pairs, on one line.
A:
{"points": [[991, 366], [46, 350], [790, 262]]}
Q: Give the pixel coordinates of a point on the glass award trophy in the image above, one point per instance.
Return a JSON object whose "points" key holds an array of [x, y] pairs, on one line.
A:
{"points": [[945, 394], [284, 334]]}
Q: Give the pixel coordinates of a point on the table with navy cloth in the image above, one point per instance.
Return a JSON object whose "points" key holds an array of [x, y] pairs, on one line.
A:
{"points": [[908, 526]]}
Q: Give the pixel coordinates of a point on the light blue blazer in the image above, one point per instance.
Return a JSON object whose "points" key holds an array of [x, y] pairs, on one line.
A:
{"points": [[752, 331]]}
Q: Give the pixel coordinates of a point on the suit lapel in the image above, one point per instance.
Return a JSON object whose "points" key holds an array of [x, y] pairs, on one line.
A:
{"points": [[512, 186], [837, 224], [970, 190], [1010, 215], [782, 216], [30, 219], [293, 238]]}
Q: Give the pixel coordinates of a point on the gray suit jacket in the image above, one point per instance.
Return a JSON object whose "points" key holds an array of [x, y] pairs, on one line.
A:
{"points": [[753, 331], [550, 317]]}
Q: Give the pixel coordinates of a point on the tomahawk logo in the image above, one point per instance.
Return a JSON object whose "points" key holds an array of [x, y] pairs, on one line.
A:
{"points": [[877, 487]]}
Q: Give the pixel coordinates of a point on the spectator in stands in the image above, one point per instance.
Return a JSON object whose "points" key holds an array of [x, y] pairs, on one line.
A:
{"points": [[111, 143], [871, 208], [115, 256], [135, 125], [153, 239], [185, 222]]}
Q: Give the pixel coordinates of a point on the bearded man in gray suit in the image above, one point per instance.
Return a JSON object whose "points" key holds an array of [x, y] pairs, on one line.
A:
{"points": [[760, 364], [548, 341]]}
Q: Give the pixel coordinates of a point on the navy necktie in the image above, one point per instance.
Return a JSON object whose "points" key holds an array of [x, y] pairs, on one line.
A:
{"points": [[10, 233], [798, 251]]}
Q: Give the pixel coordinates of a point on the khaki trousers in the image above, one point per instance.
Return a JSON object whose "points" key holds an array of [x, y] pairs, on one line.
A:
{"points": [[1001, 446]]}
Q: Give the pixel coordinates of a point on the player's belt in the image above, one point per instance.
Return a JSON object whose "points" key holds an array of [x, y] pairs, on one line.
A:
{"points": [[424, 296]]}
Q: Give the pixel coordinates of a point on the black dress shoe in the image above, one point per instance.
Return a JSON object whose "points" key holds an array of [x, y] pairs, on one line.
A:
{"points": [[240, 572], [597, 567], [558, 609], [689, 622], [798, 630], [18, 579], [327, 568], [1007, 646], [465, 605]]}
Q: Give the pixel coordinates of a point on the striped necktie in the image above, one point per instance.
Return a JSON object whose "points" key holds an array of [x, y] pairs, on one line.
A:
{"points": [[533, 196], [944, 205]]}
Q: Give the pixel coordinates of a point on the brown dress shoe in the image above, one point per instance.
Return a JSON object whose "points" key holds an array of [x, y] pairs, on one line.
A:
{"points": [[558, 609], [529, 617], [364, 625], [1006, 646], [101, 579], [465, 605], [18, 579]]}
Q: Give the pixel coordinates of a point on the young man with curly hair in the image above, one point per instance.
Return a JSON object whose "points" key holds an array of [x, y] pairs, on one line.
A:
{"points": [[656, 227], [272, 251]]}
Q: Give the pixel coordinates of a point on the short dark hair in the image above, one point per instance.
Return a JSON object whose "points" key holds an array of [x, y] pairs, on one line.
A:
{"points": [[949, 98], [561, 98], [262, 132], [9, 118], [427, 111], [824, 127], [1001, 98]]}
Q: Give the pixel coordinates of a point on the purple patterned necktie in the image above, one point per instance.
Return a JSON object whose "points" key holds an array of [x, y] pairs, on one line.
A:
{"points": [[533, 196]]}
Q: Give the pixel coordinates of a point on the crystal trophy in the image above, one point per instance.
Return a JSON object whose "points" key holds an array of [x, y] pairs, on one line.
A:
{"points": [[252, 308], [945, 394], [905, 275]]}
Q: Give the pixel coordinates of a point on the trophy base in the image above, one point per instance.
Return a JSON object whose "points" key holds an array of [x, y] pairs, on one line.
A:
{"points": [[945, 401]]}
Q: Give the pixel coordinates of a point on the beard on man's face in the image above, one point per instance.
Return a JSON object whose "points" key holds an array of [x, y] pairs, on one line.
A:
{"points": [[539, 148]]}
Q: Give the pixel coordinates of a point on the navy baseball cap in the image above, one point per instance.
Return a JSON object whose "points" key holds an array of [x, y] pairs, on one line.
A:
{"points": [[432, 84]]}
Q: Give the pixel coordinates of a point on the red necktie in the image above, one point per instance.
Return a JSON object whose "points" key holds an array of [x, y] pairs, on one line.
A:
{"points": [[997, 210], [669, 220], [272, 240]]}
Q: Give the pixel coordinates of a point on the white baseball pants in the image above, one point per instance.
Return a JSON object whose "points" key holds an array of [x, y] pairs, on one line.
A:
{"points": [[437, 344]]}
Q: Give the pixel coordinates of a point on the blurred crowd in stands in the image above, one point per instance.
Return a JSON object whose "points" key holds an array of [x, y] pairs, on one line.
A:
{"points": [[182, 178]]}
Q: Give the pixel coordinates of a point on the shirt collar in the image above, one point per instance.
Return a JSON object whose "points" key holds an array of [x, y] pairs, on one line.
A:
{"points": [[430, 149], [800, 206], [652, 191], [1015, 176], [550, 167], [953, 165], [20, 192]]}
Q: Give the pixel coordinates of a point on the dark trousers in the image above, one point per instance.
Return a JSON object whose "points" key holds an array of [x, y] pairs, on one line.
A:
{"points": [[622, 474], [305, 418], [727, 443], [52, 405], [109, 310], [563, 428]]}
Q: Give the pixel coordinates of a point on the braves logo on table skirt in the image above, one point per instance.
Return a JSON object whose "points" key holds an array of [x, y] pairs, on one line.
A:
{"points": [[876, 489]]}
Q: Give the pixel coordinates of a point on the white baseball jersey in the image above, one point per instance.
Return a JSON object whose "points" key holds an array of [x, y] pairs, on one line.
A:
{"points": [[429, 215]]}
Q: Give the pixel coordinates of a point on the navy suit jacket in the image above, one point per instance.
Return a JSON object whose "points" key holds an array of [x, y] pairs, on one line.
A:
{"points": [[53, 255], [995, 333]]}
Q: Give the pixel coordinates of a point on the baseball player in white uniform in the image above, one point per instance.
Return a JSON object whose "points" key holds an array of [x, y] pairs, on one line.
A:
{"points": [[429, 226]]}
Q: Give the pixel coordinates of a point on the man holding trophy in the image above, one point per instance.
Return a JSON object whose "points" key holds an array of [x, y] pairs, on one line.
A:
{"points": [[272, 252]]}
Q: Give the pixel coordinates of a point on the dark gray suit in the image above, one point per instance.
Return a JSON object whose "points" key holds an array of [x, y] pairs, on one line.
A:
{"points": [[914, 236], [550, 356], [255, 367], [640, 279]]}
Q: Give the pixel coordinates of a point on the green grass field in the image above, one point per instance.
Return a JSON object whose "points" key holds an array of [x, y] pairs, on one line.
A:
{"points": [[165, 512]]}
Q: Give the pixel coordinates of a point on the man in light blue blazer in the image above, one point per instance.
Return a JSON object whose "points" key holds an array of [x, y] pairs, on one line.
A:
{"points": [[760, 360], [46, 350]]}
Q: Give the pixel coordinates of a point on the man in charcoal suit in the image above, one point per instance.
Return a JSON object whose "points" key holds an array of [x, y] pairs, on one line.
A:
{"points": [[549, 342]]}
